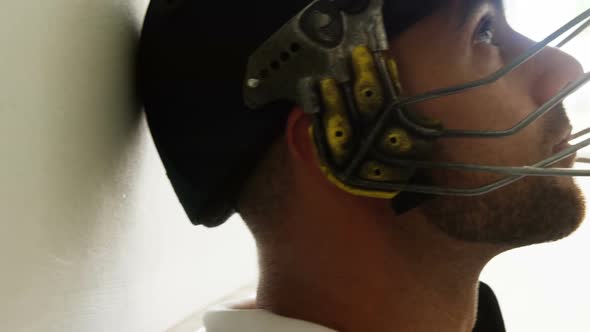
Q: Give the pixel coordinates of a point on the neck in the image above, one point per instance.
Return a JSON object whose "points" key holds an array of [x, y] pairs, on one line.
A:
{"points": [[371, 275]]}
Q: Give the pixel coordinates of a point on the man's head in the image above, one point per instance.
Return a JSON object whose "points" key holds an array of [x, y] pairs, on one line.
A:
{"points": [[333, 252], [458, 42], [211, 145]]}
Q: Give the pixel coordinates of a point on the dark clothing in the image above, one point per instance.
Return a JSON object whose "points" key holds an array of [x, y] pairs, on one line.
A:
{"points": [[489, 316]]}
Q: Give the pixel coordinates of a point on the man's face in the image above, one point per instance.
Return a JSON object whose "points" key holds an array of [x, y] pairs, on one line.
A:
{"points": [[467, 41]]}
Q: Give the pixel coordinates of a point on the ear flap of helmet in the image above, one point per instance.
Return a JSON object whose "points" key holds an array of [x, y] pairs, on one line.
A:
{"points": [[334, 63]]}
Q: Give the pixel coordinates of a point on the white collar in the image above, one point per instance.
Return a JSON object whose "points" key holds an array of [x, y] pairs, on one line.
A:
{"points": [[224, 319]]}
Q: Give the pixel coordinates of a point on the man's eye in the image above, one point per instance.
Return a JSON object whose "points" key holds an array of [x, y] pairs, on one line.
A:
{"points": [[485, 32]]}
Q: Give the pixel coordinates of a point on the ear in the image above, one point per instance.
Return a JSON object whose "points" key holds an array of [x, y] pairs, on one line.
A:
{"points": [[299, 141]]}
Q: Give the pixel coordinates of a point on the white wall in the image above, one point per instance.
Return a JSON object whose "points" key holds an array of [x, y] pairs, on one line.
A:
{"points": [[92, 237]]}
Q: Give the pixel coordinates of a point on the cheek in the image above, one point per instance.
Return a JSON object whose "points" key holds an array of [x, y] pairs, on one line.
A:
{"points": [[495, 107], [498, 106]]}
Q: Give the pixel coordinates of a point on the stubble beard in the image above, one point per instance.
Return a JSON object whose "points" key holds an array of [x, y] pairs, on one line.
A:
{"points": [[530, 211]]}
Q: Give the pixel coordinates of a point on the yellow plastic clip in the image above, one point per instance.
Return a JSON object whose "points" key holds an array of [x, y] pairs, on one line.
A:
{"points": [[397, 141], [351, 190], [338, 130], [375, 171], [367, 88]]}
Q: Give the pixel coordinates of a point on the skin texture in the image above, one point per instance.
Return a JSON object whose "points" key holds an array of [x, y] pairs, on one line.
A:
{"points": [[533, 210], [349, 263]]}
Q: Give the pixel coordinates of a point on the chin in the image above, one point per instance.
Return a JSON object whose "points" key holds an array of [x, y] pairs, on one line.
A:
{"points": [[530, 211]]}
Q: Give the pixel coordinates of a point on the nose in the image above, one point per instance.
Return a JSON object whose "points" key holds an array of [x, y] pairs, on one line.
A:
{"points": [[556, 69], [548, 72]]}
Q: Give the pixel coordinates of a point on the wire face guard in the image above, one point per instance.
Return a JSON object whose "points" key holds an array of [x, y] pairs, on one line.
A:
{"points": [[331, 59]]}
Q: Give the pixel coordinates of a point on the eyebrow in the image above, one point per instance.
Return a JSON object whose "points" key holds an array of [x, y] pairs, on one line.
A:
{"points": [[470, 6]]}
